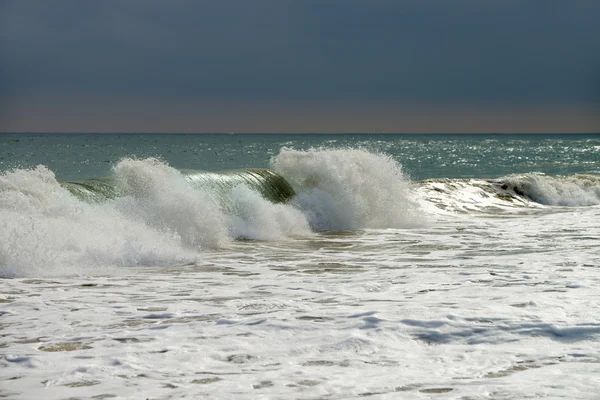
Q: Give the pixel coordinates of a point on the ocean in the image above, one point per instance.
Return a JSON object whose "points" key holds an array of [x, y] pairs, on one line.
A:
{"points": [[230, 266]]}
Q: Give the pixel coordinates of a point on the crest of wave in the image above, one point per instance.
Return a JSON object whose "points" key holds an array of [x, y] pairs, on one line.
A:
{"points": [[348, 188], [46, 231], [253, 217], [576, 190], [159, 196], [162, 198], [159, 220]]}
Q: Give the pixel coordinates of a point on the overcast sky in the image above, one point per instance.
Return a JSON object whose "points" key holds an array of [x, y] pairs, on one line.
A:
{"points": [[300, 66]]}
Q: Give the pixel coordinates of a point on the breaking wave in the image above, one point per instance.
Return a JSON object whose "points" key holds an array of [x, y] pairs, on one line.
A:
{"points": [[512, 193], [568, 191], [149, 214], [348, 188]]}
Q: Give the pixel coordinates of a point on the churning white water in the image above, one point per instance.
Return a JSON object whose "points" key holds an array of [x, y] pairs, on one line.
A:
{"points": [[364, 284]]}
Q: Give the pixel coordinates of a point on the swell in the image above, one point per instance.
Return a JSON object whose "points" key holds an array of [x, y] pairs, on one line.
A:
{"points": [[268, 183]]}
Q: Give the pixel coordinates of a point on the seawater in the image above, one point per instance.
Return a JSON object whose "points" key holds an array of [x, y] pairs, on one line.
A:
{"points": [[82, 156], [305, 266]]}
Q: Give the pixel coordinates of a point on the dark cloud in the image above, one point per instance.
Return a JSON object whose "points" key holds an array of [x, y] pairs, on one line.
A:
{"points": [[425, 51], [511, 51], [150, 47]]}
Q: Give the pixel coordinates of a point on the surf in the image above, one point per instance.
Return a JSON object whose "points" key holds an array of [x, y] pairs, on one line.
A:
{"points": [[566, 191], [512, 193], [147, 213], [340, 189]]}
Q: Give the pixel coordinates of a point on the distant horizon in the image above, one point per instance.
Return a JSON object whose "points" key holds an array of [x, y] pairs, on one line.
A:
{"points": [[154, 115], [305, 133]]}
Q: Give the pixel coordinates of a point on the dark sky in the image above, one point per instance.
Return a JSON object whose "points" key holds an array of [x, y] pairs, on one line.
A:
{"points": [[281, 66]]}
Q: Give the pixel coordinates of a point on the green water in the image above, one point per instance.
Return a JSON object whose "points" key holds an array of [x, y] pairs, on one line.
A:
{"points": [[83, 156]]}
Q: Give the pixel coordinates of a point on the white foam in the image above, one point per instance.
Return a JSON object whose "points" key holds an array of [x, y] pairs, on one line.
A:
{"points": [[474, 307], [465, 196], [162, 199], [164, 221], [348, 188], [576, 190], [256, 218], [46, 231]]}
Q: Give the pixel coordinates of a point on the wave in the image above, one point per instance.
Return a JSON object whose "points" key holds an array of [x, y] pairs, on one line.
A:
{"points": [[512, 193], [468, 196], [147, 213], [568, 191], [349, 188], [269, 184]]}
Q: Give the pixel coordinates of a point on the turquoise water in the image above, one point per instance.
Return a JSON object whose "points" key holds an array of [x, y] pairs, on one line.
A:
{"points": [[83, 156]]}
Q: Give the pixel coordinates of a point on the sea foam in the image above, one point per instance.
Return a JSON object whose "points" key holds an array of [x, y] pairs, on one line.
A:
{"points": [[157, 216], [47, 231], [159, 219], [570, 191], [348, 188]]}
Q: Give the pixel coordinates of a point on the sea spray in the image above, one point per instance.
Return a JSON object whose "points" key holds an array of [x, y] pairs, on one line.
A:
{"points": [[164, 198], [157, 215], [348, 188], [154, 216], [161, 198], [253, 217], [46, 231]]}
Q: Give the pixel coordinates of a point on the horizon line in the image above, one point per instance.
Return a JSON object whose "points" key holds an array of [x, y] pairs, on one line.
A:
{"points": [[290, 133]]}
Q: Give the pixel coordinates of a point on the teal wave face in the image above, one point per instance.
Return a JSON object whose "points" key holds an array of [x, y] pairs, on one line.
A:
{"points": [[268, 183]]}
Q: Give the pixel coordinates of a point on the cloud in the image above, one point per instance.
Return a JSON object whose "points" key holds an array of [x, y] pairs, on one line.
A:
{"points": [[414, 51]]}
